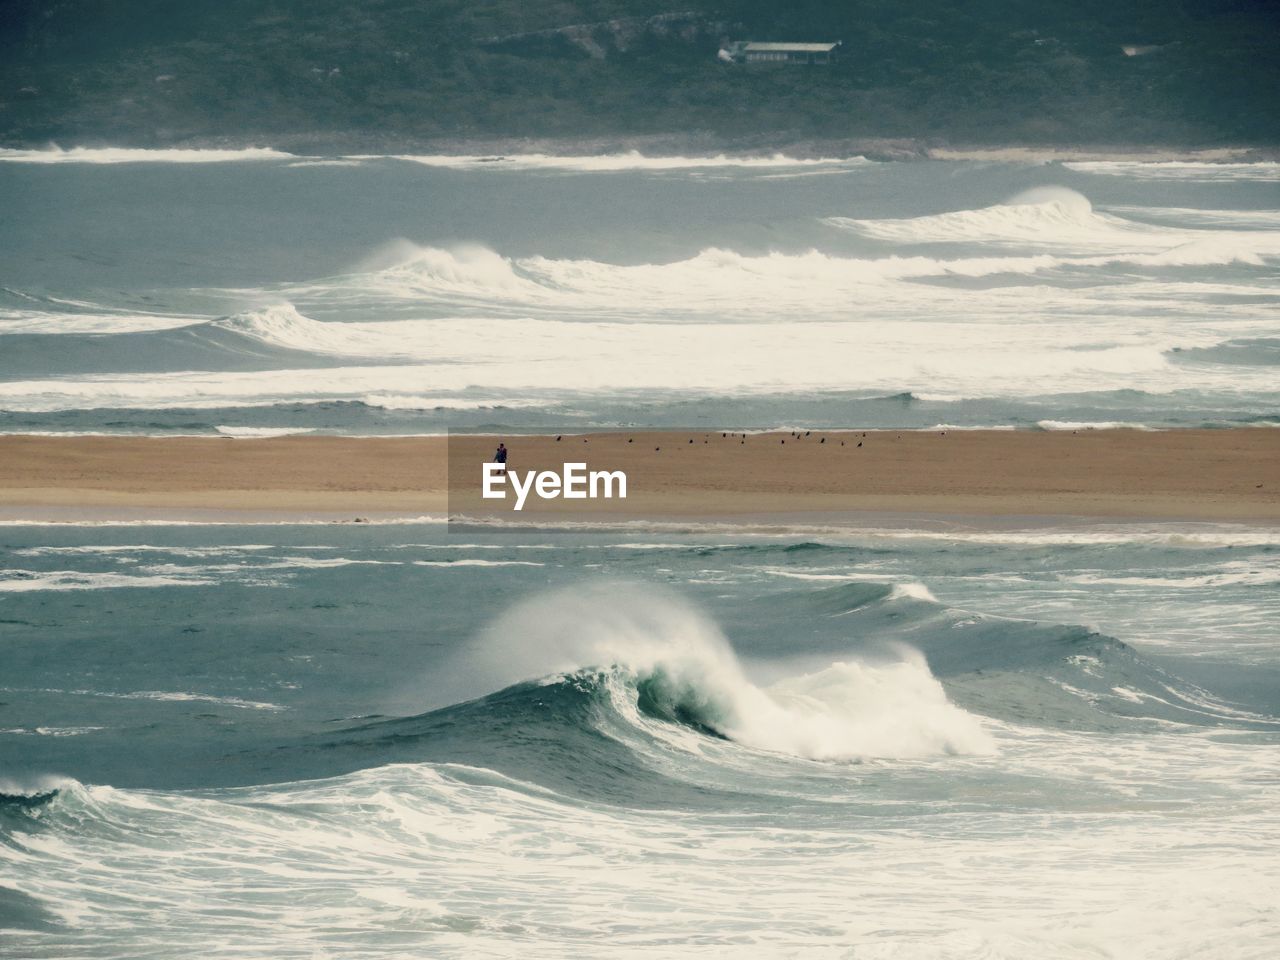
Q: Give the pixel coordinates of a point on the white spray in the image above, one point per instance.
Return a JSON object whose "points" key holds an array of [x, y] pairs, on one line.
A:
{"points": [[848, 710]]}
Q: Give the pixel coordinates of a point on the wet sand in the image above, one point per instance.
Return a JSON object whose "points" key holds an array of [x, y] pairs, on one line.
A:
{"points": [[1211, 475]]}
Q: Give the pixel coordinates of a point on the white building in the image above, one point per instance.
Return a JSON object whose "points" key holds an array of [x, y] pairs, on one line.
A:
{"points": [[751, 51]]}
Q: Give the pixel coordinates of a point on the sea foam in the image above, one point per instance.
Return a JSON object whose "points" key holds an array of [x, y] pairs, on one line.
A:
{"points": [[670, 661], [618, 162], [56, 154]]}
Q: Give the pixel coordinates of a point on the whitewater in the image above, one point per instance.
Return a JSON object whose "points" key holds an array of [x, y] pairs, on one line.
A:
{"points": [[406, 739], [402, 294], [872, 744]]}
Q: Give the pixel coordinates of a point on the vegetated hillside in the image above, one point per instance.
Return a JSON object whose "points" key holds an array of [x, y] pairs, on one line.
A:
{"points": [[994, 71]]}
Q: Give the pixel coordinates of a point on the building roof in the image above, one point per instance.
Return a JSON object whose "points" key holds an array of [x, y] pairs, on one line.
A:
{"points": [[755, 47]]}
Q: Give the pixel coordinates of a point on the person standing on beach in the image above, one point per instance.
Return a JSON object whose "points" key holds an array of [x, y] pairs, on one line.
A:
{"points": [[500, 456]]}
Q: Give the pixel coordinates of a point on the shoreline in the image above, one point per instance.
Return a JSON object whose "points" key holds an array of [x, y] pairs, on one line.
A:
{"points": [[980, 477]]}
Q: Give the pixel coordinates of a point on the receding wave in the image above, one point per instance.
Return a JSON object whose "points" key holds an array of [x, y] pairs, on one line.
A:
{"points": [[1075, 425], [257, 433]]}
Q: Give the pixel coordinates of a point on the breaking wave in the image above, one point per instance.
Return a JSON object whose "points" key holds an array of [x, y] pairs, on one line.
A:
{"points": [[657, 658], [737, 286], [1042, 293], [1203, 217], [482, 362], [139, 155], [1178, 170], [281, 325], [620, 162], [598, 690], [1046, 216], [626, 162], [1062, 219]]}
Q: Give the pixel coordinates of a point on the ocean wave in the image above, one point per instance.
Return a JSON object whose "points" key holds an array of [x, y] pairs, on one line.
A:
{"points": [[941, 427], [845, 711], [346, 162], [1058, 425], [1043, 217], [617, 163], [1248, 248], [281, 325], [549, 362], [912, 591], [418, 401], [1178, 170], [636, 684], [1065, 221], [54, 322], [631, 161], [1010, 667], [663, 660], [732, 286], [550, 329], [255, 433], [1203, 217], [32, 791], [446, 860], [713, 279], [109, 155]]}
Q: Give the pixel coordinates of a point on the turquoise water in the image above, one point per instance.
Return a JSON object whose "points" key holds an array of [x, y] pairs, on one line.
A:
{"points": [[401, 740]]}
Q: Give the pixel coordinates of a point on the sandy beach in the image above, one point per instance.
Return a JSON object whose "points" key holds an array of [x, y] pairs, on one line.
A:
{"points": [[1114, 474]]}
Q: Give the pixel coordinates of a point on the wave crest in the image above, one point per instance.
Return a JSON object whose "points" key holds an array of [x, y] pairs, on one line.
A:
{"points": [[101, 155], [1042, 217], [631, 160], [666, 661], [848, 710], [281, 325]]}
